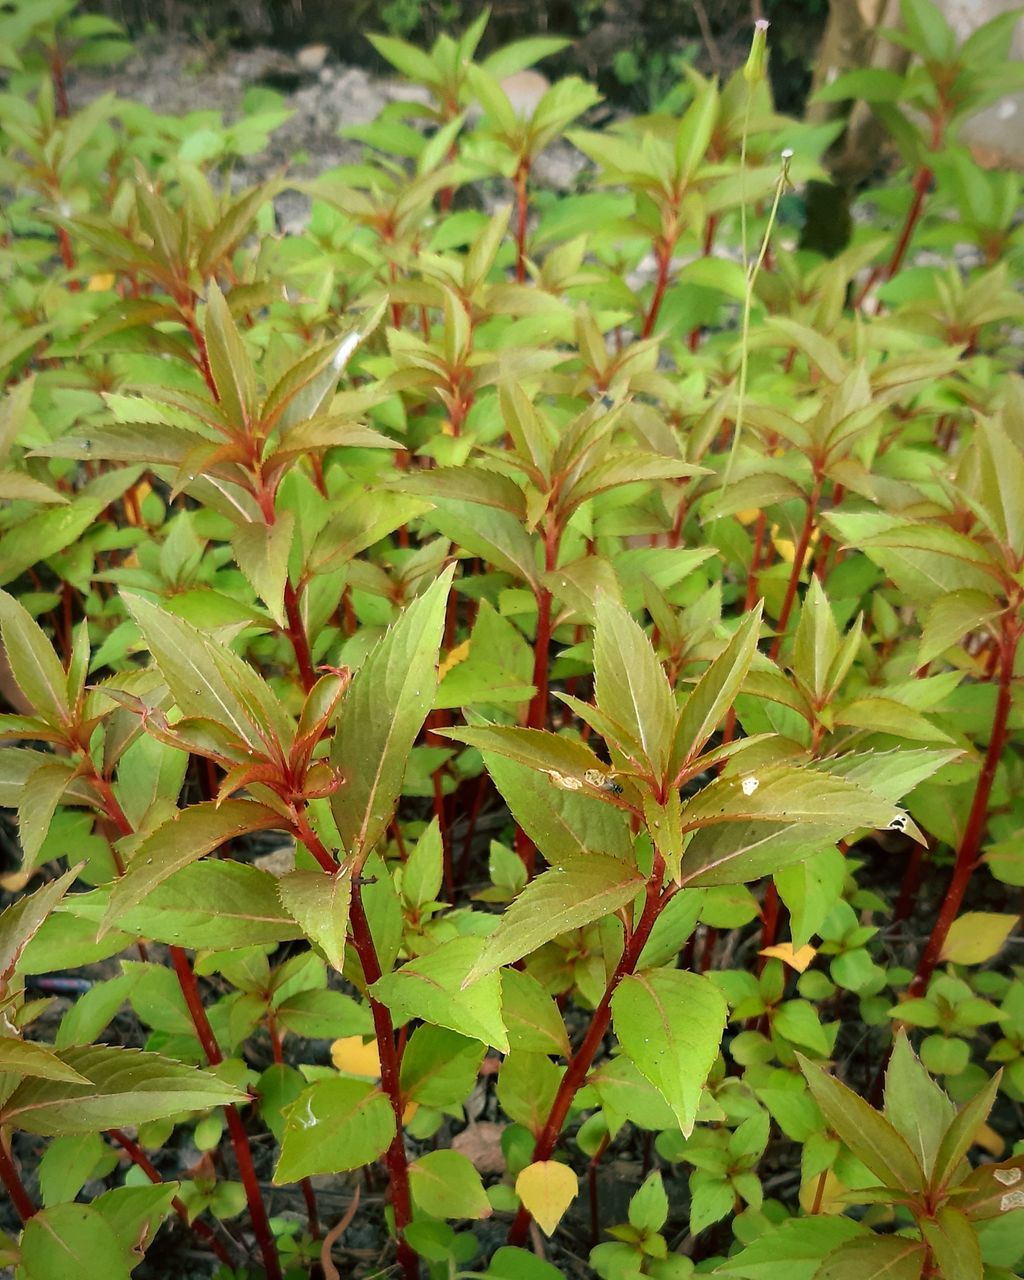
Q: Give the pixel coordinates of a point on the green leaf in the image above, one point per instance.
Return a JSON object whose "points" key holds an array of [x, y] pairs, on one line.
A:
{"points": [[442, 987], [531, 1016], [670, 1023], [631, 686], [20, 922], [424, 868], [960, 1135], [792, 1251], [874, 1258], [215, 903], [748, 831], [229, 361], [320, 904], [977, 936], [440, 1067], [26, 1058], [332, 1126], [562, 824], [40, 796], [380, 718], [444, 1184], [954, 1244], [648, 1209], [125, 1087], [207, 680], [951, 617], [575, 893], [68, 1163], [188, 835], [870, 1137], [261, 552], [69, 1239], [565, 762], [34, 665], [715, 692]]}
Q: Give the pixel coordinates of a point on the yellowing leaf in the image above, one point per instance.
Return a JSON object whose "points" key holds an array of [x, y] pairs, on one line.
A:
{"points": [[832, 1201], [990, 1141], [797, 958], [101, 283], [976, 936], [547, 1189], [355, 1058], [459, 654]]}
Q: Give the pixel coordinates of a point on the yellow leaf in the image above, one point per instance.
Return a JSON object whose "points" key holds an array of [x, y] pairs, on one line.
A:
{"points": [[798, 959], [409, 1111], [990, 1141], [100, 283], [459, 654], [976, 936], [831, 1201], [547, 1189], [15, 881], [748, 515], [355, 1058]]}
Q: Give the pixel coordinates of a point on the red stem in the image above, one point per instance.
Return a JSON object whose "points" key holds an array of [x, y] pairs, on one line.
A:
{"points": [[298, 637], [798, 567], [390, 1058], [750, 599], [11, 1179], [664, 263], [583, 1058], [522, 211], [60, 91], [922, 179], [394, 1157], [139, 1158], [970, 843]]}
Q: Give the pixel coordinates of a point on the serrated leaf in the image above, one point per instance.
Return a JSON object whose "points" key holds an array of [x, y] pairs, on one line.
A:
{"points": [[20, 922], [631, 686], [320, 904], [715, 692], [670, 1024], [792, 1251], [332, 1126], [207, 680], [874, 1258], [870, 1137], [184, 838], [125, 1087], [27, 1058], [440, 988], [380, 718], [33, 663], [575, 893], [262, 552]]}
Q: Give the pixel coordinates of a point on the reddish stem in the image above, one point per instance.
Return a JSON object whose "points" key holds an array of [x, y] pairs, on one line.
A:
{"points": [[750, 599], [11, 1179], [582, 1060], [664, 254], [60, 90], [970, 843], [922, 180], [139, 1158], [799, 556], [390, 1065], [298, 637], [522, 211]]}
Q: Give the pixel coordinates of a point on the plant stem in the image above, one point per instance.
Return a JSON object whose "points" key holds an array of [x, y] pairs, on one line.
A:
{"points": [[522, 212], [922, 180], [11, 1179], [298, 637], [664, 265], [140, 1159], [394, 1157], [799, 555], [970, 842], [390, 1058], [236, 1129], [582, 1060]]}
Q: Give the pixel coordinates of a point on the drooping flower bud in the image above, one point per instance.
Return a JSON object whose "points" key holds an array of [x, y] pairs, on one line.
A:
{"points": [[755, 68]]}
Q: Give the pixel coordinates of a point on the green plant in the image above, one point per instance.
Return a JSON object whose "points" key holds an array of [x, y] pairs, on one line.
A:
{"points": [[477, 709]]}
